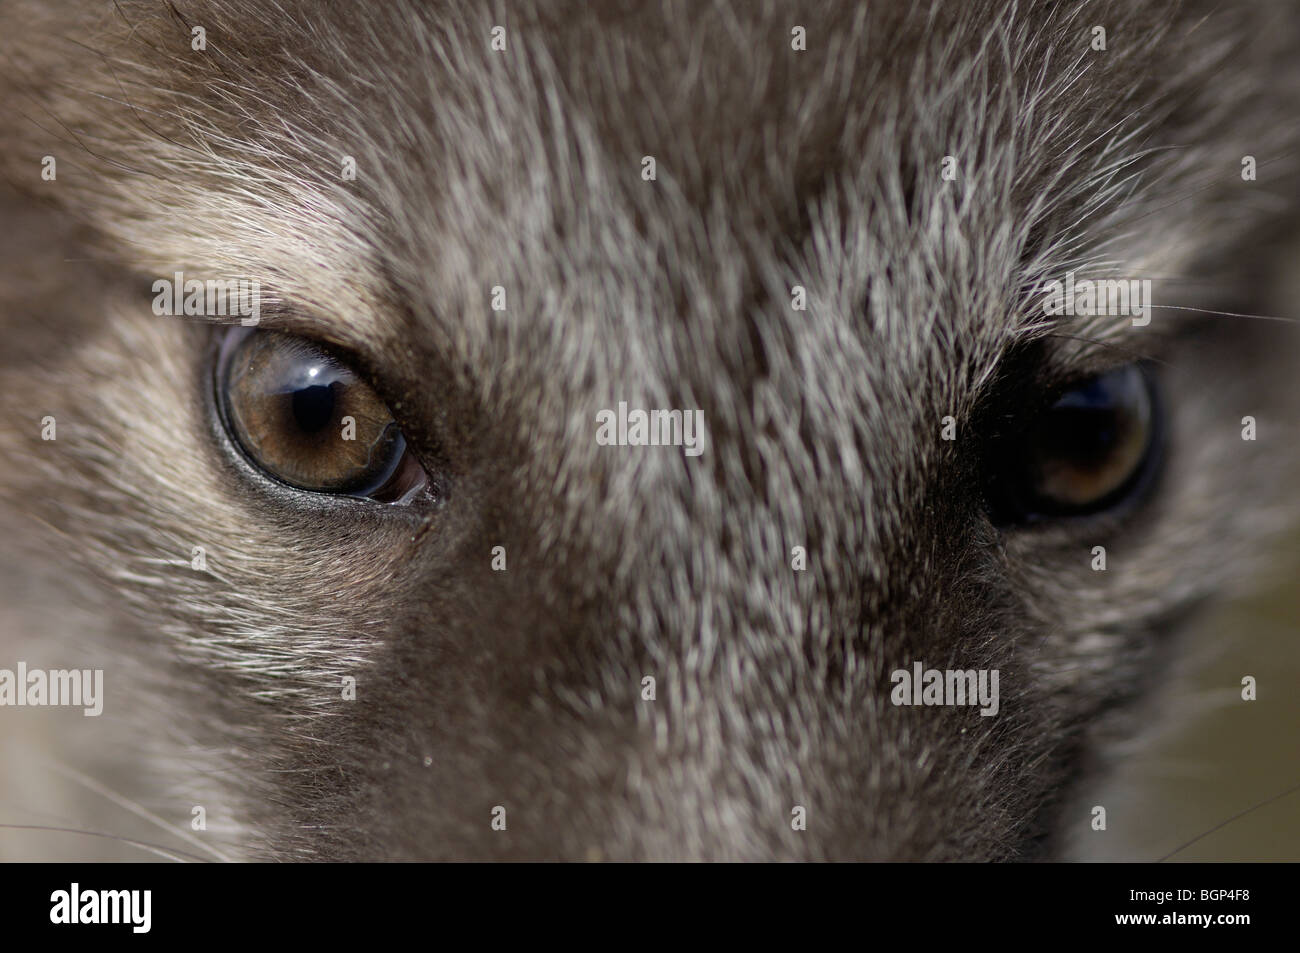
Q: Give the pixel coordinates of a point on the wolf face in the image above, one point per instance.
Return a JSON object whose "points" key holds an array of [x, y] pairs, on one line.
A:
{"points": [[825, 230]]}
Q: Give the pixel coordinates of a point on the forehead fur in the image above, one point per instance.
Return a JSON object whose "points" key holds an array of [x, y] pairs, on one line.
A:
{"points": [[767, 158], [775, 168]]}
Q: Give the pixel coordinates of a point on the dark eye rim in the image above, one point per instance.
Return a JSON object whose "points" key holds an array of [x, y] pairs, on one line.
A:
{"points": [[224, 339], [1008, 512]]}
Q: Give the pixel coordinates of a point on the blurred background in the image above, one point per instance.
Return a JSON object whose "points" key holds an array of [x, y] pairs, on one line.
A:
{"points": [[1202, 755]]}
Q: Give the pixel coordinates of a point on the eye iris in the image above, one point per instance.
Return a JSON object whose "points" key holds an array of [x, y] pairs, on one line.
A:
{"points": [[1093, 439], [307, 419], [1087, 451]]}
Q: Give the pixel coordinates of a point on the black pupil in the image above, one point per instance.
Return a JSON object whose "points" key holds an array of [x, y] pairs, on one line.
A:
{"points": [[1084, 425], [313, 407]]}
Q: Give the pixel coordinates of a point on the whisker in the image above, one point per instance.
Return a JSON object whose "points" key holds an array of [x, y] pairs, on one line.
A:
{"points": [[168, 852], [135, 808], [1227, 314], [1235, 817]]}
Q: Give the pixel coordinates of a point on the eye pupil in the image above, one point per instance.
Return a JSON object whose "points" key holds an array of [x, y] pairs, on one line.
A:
{"points": [[313, 407]]}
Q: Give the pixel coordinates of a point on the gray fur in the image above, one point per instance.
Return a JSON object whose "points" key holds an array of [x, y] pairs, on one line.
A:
{"points": [[522, 169]]}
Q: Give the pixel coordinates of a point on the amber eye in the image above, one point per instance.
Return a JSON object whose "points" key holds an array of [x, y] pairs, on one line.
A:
{"points": [[1093, 448], [308, 420]]}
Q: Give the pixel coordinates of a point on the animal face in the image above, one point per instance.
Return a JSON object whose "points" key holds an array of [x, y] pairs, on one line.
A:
{"points": [[833, 247]]}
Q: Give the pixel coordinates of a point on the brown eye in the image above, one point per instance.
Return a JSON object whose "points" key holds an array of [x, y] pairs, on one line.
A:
{"points": [[308, 420], [1093, 448]]}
